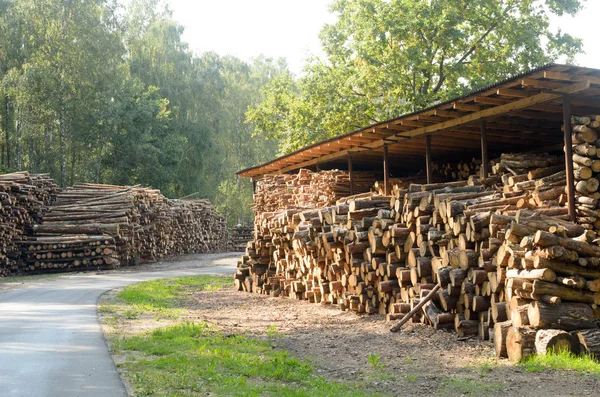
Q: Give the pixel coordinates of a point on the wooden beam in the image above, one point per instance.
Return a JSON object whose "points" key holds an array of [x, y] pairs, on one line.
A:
{"points": [[513, 93], [569, 156], [467, 107], [351, 174], [386, 170], [509, 107], [485, 161], [570, 77], [428, 160], [490, 112]]}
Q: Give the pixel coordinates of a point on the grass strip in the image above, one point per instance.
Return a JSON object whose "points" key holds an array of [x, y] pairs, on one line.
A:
{"points": [[194, 359], [564, 361]]}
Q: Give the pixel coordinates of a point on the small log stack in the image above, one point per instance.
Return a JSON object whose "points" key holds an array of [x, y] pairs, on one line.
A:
{"points": [[457, 171], [586, 166], [24, 198], [307, 189], [239, 236], [69, 253]]}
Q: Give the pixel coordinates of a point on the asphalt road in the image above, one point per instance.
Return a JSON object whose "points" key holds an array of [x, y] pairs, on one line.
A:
{"points": [[51, 343]]}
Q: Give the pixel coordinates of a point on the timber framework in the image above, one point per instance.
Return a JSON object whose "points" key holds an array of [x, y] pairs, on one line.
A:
{"points": [[479, 214]]}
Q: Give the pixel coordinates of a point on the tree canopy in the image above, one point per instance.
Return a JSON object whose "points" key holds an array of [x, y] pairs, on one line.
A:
{"points": [[384, 58], [92, 92]]}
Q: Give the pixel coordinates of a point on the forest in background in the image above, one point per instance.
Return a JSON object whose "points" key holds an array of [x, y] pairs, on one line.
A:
{"points": [[91, 91]]}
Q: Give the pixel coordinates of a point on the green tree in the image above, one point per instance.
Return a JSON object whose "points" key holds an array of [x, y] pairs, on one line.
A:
{"points": [[91, 93], [385, 58], [70, 54]]}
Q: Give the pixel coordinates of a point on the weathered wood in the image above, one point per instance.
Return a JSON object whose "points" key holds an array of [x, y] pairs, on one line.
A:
{"points": [[566, 316], [554, 341]]}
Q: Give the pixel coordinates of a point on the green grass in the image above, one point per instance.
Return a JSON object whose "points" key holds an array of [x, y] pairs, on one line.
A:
{"points": [[164, 298], [375, 361], [562, 361], [194, 360]]}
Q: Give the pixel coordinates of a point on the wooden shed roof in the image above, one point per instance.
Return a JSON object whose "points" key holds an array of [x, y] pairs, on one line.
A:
{"points": [[525, 109]]}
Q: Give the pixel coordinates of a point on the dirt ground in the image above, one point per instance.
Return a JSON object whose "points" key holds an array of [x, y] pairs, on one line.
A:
{"points": [[417, 361]]}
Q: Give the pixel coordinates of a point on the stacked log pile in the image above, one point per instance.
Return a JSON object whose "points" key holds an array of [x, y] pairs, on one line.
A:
{"points": [[24, 197], [586, 167], [69, 252], [500, 249], [307, 189], [122, 225], [457, 171], [239, 237], [552, 283]]}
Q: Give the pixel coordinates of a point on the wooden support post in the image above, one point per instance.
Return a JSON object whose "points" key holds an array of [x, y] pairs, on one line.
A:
{"points": [[485, 161], [386, 170], [351, 175], [253, 185], [428, 161], [569, 156]]}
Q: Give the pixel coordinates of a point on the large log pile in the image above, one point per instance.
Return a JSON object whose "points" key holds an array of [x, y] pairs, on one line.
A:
{"points": [[307, 189], [135, 223], [24, 198], [500, 249]]}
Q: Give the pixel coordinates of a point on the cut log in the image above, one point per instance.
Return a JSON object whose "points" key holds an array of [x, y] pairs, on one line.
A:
{"points": [[566, 316], [554, 341]]}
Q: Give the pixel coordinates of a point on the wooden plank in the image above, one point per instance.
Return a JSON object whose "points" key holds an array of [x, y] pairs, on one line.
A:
{"points": [[570, 77], [569, 156], [428, 159], [485, 161], [351, 174], [467, 107], [513, 93], [386, 170]]}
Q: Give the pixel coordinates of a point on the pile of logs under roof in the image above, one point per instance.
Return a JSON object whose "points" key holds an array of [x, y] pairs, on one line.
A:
{"points": [[307, 189], [493, 258]]}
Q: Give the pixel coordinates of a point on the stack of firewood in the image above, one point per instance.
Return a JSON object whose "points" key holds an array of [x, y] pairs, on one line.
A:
{"points": [[552, 273], [142, 223], [457, 171], [586, 167], [97, 226], [239, 236], [24, 197], [307, 189], [67, 253], [476, 239]]}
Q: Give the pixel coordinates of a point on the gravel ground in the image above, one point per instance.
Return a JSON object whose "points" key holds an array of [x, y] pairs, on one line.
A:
{"points": [[360, 349]]}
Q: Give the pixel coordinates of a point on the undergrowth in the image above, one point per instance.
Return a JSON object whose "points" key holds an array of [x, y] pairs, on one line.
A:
{"points": [[194, 359], [562, 361]]}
